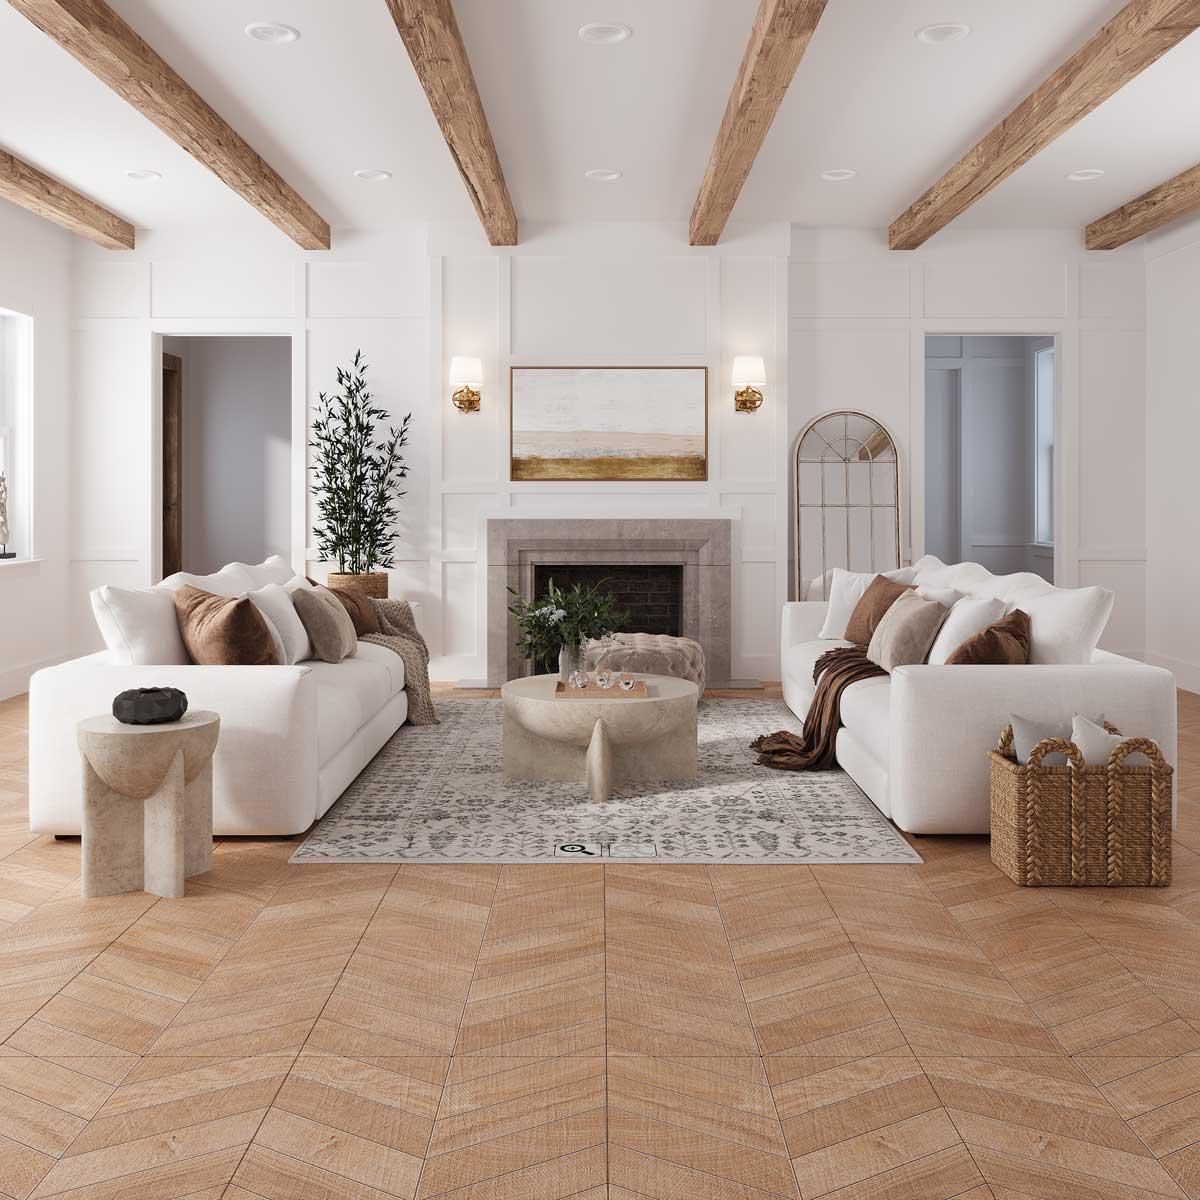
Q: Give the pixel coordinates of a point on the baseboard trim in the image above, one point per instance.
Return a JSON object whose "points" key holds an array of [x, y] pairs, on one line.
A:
{"points": [[15, 680], [1187, 674]]}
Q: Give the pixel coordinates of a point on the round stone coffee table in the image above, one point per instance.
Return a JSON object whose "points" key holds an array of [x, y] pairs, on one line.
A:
{"points": [[600, 741], [147, 803]]}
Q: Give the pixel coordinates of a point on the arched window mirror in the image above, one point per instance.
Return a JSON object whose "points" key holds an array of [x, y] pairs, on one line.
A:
{"points": [[847, 500]]}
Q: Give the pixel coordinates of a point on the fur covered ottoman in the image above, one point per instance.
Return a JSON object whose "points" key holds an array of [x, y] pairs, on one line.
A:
{"points": [[649, 654]]}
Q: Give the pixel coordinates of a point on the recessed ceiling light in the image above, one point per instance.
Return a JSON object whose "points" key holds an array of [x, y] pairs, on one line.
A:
{"points": [[838, 174], [602, 175], [271, 32], [604, 33], [144, 176], [372, 174], [1085, 174], [943, 33]]}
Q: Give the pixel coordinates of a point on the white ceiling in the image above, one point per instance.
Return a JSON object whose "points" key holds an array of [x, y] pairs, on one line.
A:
{"points": [[867, 96]]}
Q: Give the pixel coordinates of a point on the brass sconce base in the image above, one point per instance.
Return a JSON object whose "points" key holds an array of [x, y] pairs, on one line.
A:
{"points": [[747, 399], [466, 399]]}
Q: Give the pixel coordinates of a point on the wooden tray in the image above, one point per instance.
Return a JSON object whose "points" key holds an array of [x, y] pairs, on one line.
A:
{"points": [[592, 692]]}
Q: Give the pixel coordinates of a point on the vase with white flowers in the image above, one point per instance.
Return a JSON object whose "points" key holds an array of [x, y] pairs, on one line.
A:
{"points": [[553, 628]]}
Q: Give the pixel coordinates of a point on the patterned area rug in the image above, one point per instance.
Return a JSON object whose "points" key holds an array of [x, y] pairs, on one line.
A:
{"points": [[437, 794]]}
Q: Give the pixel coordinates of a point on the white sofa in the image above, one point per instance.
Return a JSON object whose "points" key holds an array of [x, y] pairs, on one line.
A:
{"points": [[916, 741], [292, 737]]}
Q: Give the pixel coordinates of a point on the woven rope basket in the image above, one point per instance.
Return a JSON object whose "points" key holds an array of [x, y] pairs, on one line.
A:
{"points": [[1077, 825]]}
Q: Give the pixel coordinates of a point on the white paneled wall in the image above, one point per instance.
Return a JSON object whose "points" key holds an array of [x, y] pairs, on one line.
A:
{"points": [[624, 295], [858, 317], [35, 281]]}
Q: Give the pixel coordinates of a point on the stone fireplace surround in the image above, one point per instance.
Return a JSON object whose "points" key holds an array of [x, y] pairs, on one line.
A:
{"points": [[701, 546]]}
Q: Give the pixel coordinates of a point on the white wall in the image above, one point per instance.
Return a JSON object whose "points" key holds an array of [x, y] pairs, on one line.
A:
{"points": [[34, 280], [1173, 433], [858, 315], [236, 449]]}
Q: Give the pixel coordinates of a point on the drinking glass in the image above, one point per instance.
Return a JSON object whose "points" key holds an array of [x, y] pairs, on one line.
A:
{"points": [[578, 679], [604, 678], [625, 681]]}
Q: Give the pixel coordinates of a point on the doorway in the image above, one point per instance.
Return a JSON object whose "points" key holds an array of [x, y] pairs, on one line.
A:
{"points": [[226, 451], [989, 451]]}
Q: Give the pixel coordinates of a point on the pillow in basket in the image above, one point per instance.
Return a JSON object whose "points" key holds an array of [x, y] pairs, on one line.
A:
{"points": [[1096, 743], [1027, 734]]}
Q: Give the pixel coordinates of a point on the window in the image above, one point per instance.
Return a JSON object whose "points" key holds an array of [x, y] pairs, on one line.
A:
{"points": [[15, 432], [1043, 445]]}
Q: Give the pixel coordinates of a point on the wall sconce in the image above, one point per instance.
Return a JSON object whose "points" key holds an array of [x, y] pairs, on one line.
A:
{"points": [[749, 375], [466, 376]]}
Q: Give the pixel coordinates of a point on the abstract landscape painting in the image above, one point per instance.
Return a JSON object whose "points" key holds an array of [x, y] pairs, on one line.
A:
{"points": [[609, 423]]}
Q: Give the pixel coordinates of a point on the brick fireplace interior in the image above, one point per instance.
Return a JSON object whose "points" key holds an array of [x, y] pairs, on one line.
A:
{"points": [[652, 594]]}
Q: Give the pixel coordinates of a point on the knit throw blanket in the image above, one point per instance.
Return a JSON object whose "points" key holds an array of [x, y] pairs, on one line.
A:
{"points": [[398, 632], [813, 750]]}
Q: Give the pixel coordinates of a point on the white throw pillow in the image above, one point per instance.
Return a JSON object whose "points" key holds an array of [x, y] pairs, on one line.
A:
{"points": [[274, 602], [275, 569], [946, 597], [139, 627], [1095, 743], [971, 615], [1066, 623], [1027, 734], [846, 590], [230, 580]]}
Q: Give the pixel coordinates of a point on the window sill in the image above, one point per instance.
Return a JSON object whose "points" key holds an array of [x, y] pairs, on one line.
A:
{"points": [[14, 564]]}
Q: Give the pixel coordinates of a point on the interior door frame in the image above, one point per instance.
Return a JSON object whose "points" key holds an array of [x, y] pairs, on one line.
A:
{"points": [[296, 330], [1066, 413], [172, 463]]}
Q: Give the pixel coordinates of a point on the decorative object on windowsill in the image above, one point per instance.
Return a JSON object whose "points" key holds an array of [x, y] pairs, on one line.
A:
{"points": [[553, 628], [466, 377], [354, 482], [749, 377], [149, 706], [1081, 825], [5, 532]]}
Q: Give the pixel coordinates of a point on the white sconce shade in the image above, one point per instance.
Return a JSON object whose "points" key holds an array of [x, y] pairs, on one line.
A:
{"points": [[466, 372], [749, 370]]}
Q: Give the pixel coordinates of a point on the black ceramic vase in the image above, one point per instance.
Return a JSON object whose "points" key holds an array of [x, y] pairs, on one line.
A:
{"points": [[149, 706]]}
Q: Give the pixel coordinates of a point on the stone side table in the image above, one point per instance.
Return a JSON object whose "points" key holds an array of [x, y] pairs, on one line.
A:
{"points": [[147, 803], [600, 742]]}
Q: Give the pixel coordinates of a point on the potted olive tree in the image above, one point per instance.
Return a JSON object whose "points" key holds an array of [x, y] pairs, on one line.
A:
{"points": [[354, 482]]}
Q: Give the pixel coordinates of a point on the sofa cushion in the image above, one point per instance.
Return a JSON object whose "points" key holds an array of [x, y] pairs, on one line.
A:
{"points": [[800, 660], [846, 590], [877, 601], [1006, 643], [1066, 624], [865, 712], [906, 632], [231, 580], [224, 631], [350, 693], [969, 616], [275, 603], [275, 569]]}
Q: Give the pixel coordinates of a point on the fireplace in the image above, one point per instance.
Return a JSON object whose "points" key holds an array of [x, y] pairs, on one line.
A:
{"points": [[651, 593], [687, 557]]}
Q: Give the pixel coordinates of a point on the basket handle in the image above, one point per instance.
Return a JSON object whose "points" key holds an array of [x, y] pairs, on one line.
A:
{"points": [[1160, 808], [1033, 840]]}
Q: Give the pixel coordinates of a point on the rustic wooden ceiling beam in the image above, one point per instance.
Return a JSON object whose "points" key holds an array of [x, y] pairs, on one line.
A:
{"points": [[1167, 202], [1137, 36], [780, 35], [93, 34], [435, 45], [38, 192]]}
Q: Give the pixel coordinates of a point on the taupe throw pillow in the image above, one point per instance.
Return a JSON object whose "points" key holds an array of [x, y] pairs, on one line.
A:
{"points": [[325, 623], [1004, 644], [880, 595], [223, 631], [360, 608], [906, 631], [343, 618]]}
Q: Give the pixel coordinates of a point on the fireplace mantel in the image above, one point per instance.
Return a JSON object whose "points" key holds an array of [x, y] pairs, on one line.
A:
{"points": [[700, 545]]}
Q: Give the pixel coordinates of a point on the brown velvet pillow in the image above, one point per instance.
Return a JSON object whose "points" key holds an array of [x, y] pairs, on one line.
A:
{"points": [[1004, 644], [880, 595], [223, 631], [360, 608]]}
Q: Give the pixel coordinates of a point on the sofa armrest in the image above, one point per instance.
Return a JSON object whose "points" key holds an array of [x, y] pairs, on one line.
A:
{"points": [[802, 621], [265, 765], [943, 721]]}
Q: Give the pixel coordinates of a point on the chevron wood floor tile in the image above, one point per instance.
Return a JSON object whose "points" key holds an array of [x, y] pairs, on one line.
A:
{"points": [[596, 1032]]}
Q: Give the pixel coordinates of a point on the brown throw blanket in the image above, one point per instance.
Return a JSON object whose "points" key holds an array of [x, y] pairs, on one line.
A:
{"points": [[398, 632], [834, 672]]}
